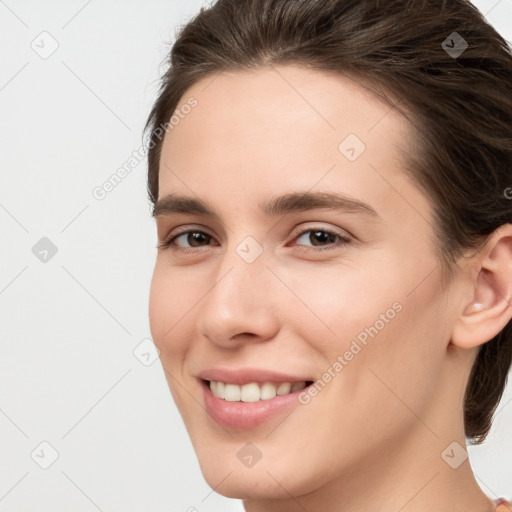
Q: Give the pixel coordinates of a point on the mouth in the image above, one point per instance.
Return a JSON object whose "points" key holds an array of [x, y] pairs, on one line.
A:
{"points": [[253, 391], [248, 406]]}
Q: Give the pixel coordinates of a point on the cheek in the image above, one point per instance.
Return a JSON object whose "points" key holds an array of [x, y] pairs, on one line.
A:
{"points": [[396, 372], [377, 298], [390, 340], [171, 305], [342, 303]]}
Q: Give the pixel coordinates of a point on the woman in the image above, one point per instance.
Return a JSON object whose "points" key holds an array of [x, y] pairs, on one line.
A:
{"points": [[331, 182]]}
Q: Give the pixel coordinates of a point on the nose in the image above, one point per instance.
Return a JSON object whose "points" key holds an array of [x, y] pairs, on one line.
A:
{"points": [[241, 304]]}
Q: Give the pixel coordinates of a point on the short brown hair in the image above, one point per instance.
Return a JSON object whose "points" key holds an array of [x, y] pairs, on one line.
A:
{"points": [[460, 105]]}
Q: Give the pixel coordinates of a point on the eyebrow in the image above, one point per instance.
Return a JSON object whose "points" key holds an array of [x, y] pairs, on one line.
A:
{"points": [[276, 206]]}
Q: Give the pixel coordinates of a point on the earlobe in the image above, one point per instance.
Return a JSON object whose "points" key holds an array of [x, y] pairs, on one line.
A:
{"points": [[490, 308]]}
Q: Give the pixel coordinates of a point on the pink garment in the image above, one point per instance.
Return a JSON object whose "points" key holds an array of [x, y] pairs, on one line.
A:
{"points": [[502, 505]]}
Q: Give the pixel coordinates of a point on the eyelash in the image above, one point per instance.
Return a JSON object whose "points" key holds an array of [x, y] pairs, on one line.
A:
{"points": [[169, 243]]}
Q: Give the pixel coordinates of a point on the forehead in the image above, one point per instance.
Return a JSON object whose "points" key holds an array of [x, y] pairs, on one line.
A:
{"points": [[286, 128], [263, 101]]}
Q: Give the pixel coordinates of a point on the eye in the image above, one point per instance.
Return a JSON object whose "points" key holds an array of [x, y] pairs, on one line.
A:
{"points": [[319, 237], [194, 238]]}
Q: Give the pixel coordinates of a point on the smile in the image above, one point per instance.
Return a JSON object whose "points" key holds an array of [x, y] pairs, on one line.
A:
{"points": [[253, 391], [248, 405]]}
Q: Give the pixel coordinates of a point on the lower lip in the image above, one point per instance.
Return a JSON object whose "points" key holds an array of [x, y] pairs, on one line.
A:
{"points": [[246, 415]]}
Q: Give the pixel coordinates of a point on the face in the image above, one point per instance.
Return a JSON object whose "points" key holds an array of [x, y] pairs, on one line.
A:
{"points": [[309, 260]]}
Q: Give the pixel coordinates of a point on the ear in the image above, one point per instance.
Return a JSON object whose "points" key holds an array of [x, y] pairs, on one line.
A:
{"points": [[490, 308]]}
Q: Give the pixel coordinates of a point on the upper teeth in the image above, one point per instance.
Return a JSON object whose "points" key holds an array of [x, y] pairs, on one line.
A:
{"points": [[253, 392]]}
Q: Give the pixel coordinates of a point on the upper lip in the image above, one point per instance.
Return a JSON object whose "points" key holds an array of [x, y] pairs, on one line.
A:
{"points": [[243, 376]]}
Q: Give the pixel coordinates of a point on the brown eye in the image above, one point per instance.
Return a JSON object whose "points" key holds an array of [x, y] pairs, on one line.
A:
{"points": [[193, 238], [322, 238]]}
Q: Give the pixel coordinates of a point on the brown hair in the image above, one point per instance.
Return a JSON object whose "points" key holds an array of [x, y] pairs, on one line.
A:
{"points": [[460, 107]]}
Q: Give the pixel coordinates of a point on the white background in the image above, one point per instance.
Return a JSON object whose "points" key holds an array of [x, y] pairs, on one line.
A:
{"points": [[68, 327]]}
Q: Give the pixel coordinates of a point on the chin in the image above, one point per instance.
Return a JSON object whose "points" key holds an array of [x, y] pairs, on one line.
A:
{"points": [[248, 484], [273, 478]]}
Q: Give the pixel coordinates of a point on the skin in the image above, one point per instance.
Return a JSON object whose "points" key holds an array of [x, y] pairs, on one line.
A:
{"points": [[373, 438]]}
